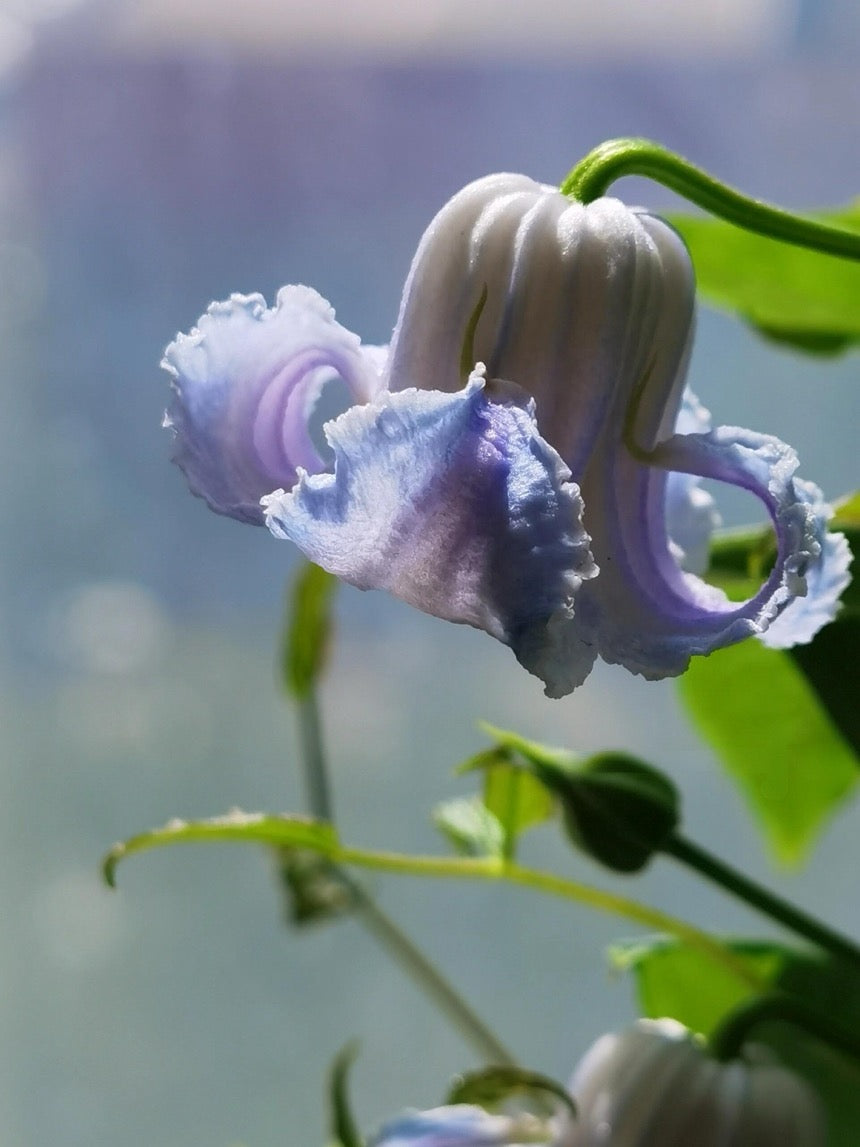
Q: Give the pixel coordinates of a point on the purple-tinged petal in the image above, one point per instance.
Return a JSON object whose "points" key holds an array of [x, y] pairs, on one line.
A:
{"points": [[459, 1126], [826, 578], [454, 503], [691, 514], [652, 617], [245, 382]]}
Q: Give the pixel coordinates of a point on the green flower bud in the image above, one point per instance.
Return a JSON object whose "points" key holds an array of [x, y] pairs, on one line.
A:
{"points": [[616, 809]]}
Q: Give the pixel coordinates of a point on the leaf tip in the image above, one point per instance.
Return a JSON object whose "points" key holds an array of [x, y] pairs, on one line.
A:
{"points": [[112, 858]]}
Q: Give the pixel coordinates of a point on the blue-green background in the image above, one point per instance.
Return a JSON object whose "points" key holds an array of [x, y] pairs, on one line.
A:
{"points": [[138, 631]]}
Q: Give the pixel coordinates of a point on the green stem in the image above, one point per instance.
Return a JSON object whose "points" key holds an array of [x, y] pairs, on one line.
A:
{"points": [[404, 951], [493, 869], [728, 1040], [619, 157], [313, 758], [427, 975], [769, 903]]}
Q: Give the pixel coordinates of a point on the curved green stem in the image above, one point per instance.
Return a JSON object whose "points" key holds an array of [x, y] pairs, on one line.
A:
{"points": [[618, 157], [728, 1040], [491, 869], [768, 902], [396, 942], [313, 758]]}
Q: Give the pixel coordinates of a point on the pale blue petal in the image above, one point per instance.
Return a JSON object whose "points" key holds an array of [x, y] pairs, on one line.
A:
{"points": [[245, 382], [691, 513], [647, 614], [826, 579], [456, 1126], [454, 503]]}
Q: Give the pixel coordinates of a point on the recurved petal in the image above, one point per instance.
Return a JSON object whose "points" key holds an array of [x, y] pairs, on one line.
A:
{"points": [[691, 514], [650, 616], [826, 578], [454, 503], [245, 381], [457, 1126]]}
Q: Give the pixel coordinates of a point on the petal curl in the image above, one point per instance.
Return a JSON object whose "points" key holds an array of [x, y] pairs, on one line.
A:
{"points": [[459, 1125], [245, 381], [691, 514], [652, 617], [454, 503]]}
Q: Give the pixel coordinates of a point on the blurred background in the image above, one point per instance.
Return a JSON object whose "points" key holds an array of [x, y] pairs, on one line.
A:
{"points": [[156, 154]]}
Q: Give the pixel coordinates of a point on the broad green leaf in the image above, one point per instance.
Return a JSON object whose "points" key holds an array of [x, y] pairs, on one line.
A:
{"points": [[829, 664], [773, 735], [492, 1086], [236, 827], [308, 628], [673, 980], [470, 826], [740, 562], [343, 1126], [789, 294]]}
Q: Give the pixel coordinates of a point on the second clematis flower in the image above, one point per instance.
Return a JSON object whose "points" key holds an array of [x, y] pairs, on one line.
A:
{"points": [[523, 458], [653, 1085]]}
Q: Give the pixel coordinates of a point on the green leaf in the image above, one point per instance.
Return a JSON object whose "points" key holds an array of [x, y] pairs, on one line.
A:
{"points": [[470, 826], [792, 295], [517, 800], [308, 629], [829, 664], [343, 1126], [773, 735], [740, 561], [492, 1086], [673, 980], [236, 827]]}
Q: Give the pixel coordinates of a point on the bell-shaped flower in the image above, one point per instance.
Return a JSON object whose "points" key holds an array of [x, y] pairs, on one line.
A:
{"points": [[523, 458], [651, 1086], [656, 1086]]}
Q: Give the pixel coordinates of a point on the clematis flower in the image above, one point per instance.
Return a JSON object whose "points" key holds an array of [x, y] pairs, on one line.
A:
{"points": [[651, 1086], [523, 458]]}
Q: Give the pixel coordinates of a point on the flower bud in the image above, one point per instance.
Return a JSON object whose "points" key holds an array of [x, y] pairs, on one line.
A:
{"points": [[616, 809], [655, 1086]]}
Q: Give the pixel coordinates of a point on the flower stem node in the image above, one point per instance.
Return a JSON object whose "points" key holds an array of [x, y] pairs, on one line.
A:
{"points": [[616, 809]]}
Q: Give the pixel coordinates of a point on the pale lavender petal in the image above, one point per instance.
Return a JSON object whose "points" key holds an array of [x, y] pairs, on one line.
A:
{"points": [[245, 382], [826, 579], [691, 513], [456, 1126], [650, 616], [455, 504]]}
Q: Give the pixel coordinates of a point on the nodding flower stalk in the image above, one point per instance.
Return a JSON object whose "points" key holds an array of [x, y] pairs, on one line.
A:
{"points": [[524, 457]]}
